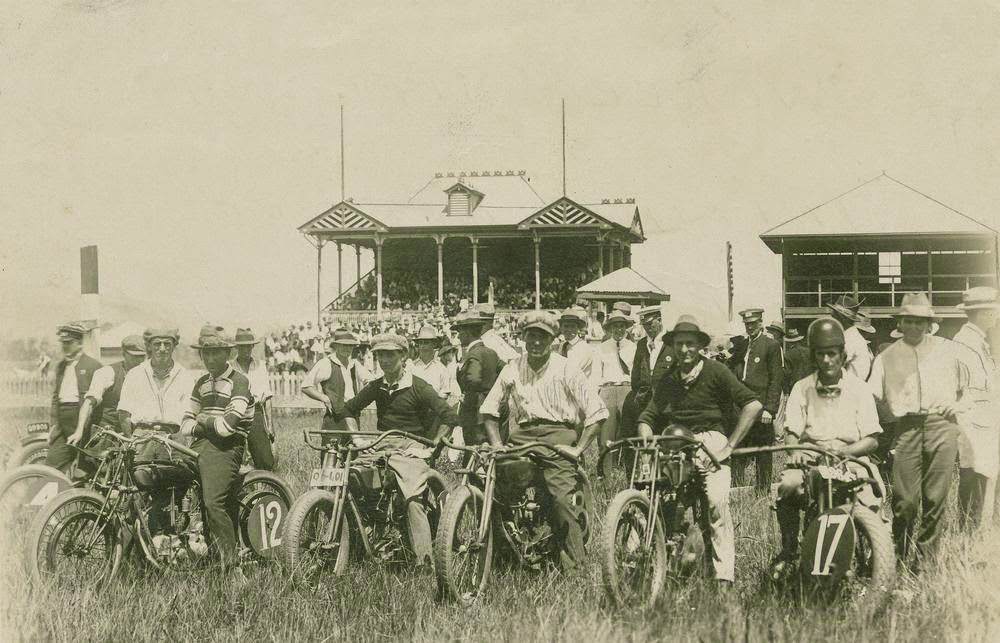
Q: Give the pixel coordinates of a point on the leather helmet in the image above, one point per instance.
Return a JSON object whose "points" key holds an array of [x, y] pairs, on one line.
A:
{"points": [[825, 332]]}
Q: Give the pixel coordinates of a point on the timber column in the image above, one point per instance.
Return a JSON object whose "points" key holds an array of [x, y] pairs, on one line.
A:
{"points": [[475, 270], [340, 269], [600, 257], [440, 246], [378, 275], [538, 273]]}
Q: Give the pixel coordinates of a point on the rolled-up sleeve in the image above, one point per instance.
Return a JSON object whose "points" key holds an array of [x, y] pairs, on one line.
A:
{"points": [[104, 378], [795, 411], [497, 396]]}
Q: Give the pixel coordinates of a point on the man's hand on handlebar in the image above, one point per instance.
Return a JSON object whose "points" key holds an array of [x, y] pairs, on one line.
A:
{"points": [[75, 439], [570, 451], [798, 458]]}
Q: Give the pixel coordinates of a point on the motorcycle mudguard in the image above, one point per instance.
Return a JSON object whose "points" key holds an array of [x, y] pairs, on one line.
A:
{"points": [[828, 546]]}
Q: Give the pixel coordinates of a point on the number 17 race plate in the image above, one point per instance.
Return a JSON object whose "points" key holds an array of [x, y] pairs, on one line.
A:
{"points": [[328, 477]]}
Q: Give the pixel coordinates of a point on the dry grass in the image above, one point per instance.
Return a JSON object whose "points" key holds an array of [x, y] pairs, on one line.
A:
{"points": [[958, 599]]}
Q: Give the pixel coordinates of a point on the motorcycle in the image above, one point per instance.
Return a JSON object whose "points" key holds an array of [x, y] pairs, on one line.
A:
{"points": [[479, 520], [34, 445]]}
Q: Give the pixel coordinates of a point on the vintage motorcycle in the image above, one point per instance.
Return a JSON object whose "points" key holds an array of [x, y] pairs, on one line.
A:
{"points": [[354, 506], [81, 536], [499, 507], [844, 543], [34, 445], [651, 529]]}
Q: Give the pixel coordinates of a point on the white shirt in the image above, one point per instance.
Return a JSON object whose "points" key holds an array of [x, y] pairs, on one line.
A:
{"points": [[611, 368], [260, 383], [323, 369], [581, 356], [68, 393], [104, 378], [147, 401], [831, 421], [433, 372], [858, 358], [655, 345], [503, 350], [919, 379]]}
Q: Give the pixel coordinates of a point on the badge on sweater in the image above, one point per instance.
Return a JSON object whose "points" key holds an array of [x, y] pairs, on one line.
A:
{"points": [[756, 359]]}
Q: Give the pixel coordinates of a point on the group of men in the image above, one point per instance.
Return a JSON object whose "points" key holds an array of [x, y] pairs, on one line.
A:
{"points": [[938, 397]]}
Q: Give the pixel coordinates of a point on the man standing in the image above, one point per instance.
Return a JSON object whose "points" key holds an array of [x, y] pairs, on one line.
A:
{"points": [[448, 354], [761, 371], [106, 389], [333, 380], [554, 403], [261, 435], [979, 444], [476, 374], [698, 394], [920, 380], [74, 373], [576, 350], [407, 403], [219, 417], [617, 354], [491, 339], [426, 365], [798, 364], [859, 356]]}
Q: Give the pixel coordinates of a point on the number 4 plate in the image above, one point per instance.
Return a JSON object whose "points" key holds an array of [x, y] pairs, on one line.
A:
{"points": [[328, 477]]}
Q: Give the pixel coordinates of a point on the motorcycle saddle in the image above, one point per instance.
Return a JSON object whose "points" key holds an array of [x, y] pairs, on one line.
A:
{"points": [[163, 475]]}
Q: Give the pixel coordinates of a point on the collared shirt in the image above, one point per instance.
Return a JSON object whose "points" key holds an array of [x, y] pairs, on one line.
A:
{"points": [[260, 383], [612, 355], [556, 393], [655, 345], [227, 398], [503, 350], [858, 357], [323, 369], [104, 378], [410, 404], [433, 372], [701, 404], [580, 355], [68, 393], [147, 399], [919, 379], [983, 374], [835, 420]]}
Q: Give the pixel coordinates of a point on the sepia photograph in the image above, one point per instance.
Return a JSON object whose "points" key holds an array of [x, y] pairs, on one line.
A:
{"points": [[526, 321]]}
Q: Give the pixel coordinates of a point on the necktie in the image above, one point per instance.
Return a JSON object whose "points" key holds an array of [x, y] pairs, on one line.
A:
{"points": [[621, 360], [564, 351]]}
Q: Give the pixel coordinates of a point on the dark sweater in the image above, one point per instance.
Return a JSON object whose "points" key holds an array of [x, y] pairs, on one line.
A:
{"points": [[416, 408], [701, 407]]}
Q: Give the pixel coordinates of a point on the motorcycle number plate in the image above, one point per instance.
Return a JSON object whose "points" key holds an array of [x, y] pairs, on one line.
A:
{"points": [[828, 546], [328, 477]]}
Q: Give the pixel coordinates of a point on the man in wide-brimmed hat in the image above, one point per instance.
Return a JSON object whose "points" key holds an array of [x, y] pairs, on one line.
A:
{"points": [[262, 432], [846, 310], [617, 354], [425, 363], [476, 374], [979, 445], [698, 394], [404, 403], [105, 390], [921, 381], [334, 379], [797, 361], [550, 402], [74, 373], [219, 418], [761, 370]]}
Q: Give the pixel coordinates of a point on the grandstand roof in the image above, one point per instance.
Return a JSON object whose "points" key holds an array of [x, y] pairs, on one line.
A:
{"points": [[624, 283], [881, 206], [505, 202]]}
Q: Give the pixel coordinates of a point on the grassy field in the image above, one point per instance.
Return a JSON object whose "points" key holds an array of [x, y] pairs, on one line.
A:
{"points": [[957, 599]]}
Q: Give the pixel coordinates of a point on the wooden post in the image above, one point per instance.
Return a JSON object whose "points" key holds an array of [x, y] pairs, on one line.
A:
{"points": [[378, 277], [475, 270], [319, 273], [538, 274], [440, 245], [340, 269], [600, 257], [357, 259]]}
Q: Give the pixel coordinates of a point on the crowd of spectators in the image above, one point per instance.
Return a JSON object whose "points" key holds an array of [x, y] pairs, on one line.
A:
{"points": [[417, 291]]}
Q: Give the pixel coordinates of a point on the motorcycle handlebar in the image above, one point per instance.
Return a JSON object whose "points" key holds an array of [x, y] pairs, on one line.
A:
{"points": [[507, 451], [652, 442]]}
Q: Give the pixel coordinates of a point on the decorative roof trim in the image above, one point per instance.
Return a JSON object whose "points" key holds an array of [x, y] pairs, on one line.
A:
{"points": [[342, 216], [566, 211]]}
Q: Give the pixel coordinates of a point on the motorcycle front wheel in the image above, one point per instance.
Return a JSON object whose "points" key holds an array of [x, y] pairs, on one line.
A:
{"points": [[634, 572]]}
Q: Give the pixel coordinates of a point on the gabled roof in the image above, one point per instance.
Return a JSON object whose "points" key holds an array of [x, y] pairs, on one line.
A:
{"points": [[342, 216], [507, 189], [881, 206], [624, 282]]}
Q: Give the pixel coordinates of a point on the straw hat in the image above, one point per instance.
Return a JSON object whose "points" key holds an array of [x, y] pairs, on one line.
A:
{"points": [[427, 333], [575, 314], [979, 298], [618, 317], [245, 337], [687, 324], [863, 323], [916, 304], [344, 337], [846, 306]]}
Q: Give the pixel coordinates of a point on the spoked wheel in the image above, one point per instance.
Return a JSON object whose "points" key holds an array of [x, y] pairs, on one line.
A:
{"points": [[874, 557], [72, 543], [265, 500], [462, 562], [303, 547], [25, 490], [31, 453], [633, 571]]}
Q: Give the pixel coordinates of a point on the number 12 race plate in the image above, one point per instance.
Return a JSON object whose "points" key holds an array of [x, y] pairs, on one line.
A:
{"points": [[328, 477]]}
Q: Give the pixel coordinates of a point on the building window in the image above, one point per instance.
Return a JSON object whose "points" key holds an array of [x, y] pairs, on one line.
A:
{"points": [[889, 267]]}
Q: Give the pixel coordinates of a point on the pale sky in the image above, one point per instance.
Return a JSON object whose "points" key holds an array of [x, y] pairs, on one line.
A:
{"points": [[190, 139]]}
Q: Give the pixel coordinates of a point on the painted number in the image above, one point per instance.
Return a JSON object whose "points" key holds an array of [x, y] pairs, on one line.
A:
{"points": [[47, 492], [270, 513], [838, 521]]}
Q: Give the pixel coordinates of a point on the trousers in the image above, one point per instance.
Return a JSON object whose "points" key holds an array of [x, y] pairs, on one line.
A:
{"points": [[258, 443], [613, 397], [720, 541], [568, 514], [219, 461], [60, 454], [926, 448], [759, 435]]}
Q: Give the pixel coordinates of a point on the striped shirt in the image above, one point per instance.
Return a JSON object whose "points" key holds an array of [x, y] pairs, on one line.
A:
{"points": [[227, 398], [556, 393]]}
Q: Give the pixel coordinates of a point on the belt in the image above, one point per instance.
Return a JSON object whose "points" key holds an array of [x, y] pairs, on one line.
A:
{"points": [[616, 384], [537, 423], [69, 404]]}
